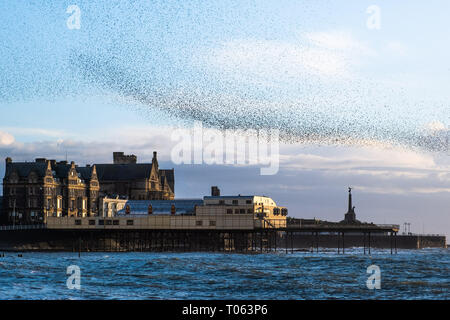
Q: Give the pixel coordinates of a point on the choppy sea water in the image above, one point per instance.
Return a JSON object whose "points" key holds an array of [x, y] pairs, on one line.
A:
{"points": [[411, 274]]}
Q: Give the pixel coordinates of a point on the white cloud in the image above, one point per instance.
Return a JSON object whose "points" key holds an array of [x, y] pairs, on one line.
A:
{"points": [[6, 139], [323, 54], [356, 158], [270, 58], [396, 48], [35, 132], [339, 41], [435, 126]]}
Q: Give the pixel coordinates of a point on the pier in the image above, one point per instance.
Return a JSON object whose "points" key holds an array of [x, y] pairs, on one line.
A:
{"points": [[338, 232], [288, 239]]}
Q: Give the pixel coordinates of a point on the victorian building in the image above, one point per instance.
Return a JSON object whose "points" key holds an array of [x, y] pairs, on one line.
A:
{"points": [[33, 191], [137, 181]]}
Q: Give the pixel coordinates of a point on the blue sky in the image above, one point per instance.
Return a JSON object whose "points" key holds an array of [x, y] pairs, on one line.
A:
{"points": [[307, 66]]}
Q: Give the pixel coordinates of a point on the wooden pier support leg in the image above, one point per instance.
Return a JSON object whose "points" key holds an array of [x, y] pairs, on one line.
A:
{"points": [[173, 241], [343, 243], [275, 241], [339, 242], [317, 242], [391, 234], [253, 241], [395, 241], [292, 242], [287, 241], [364, 241], [261, 241], [369, 242]]}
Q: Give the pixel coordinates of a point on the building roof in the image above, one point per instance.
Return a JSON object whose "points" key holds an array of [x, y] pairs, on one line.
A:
{"points": [[119, 172], [140, 207], [170, 178], [85, 172], [231, 197], [132, 171], [60, 169], [24, 169]]}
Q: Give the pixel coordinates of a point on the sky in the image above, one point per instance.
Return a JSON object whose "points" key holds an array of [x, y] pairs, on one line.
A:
{"points": [[355, 106]]}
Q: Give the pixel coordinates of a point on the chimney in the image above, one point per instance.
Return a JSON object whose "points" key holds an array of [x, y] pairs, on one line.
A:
{"points": [[215, 191], [155, 155], [8, 160]]}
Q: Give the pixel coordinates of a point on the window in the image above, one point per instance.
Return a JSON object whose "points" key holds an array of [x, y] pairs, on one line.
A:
{"points": [[108, 222], [92, 222], [248, 201], [235, 202], [250, 211], [199, 223], [78, 222], [229, 211], [212, 223], [101, 222], [130, 222], [116, 222], [242, 211], [236, 211], [221, 202]]}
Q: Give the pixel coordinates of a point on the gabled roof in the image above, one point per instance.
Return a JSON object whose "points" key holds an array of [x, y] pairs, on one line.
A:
{"points": [[170, 178], [60, 169], [118, 172], [85, 172], [24, 169]]}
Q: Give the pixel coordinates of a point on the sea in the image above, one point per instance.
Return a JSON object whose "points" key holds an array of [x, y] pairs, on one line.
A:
{"points": [[410, 274]]}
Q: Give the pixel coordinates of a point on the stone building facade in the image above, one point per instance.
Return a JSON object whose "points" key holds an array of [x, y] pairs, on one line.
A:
{"points": [[32, 191], [137, 181]]}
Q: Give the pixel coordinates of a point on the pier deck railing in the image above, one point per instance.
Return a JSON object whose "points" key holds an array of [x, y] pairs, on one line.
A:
{"points": [[23, 227]]}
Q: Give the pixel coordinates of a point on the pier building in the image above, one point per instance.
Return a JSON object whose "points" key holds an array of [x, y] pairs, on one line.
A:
{"points": [[211, 212]]}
